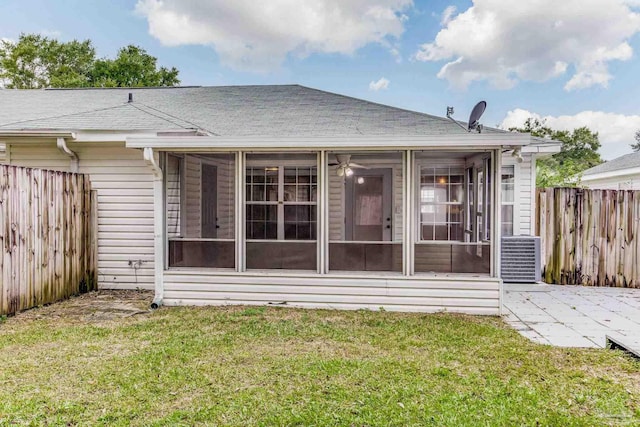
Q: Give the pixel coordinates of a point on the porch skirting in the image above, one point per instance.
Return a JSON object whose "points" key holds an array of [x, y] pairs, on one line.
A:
{"points": [[461, 294]]}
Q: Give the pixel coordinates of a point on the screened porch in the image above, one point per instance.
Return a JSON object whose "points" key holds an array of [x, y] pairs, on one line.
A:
{"points": [[397, 213]]}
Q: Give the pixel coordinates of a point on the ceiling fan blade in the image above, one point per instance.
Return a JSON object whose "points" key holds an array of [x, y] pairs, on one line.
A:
{"points": [[356, 165]]}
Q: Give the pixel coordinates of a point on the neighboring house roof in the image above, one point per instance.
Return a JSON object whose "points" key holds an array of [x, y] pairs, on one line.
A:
{"points": [[628, 161], [285, 110]]}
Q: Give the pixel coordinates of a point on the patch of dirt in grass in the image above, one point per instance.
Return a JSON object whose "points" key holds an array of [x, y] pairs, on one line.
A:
{"points": [[93, 307]]}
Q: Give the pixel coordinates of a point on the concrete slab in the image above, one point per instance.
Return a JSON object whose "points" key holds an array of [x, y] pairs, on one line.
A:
{"points": [[573, 316], [631, 345]]}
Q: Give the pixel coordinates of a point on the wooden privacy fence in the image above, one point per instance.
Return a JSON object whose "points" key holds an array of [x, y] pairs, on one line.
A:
{"points": [[47, 241], [589, 237]]}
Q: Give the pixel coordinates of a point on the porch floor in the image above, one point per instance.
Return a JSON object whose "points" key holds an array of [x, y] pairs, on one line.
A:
{"points": [[574, 316]]}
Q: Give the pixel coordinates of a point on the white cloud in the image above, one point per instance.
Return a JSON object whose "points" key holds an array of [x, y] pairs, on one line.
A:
{"points": [[380, 84], [503, 41], [447, 15], [258, 35], [616, 131]]}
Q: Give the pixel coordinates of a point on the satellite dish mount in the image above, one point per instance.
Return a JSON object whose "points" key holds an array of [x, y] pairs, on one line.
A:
{"points": [[474, 118]]}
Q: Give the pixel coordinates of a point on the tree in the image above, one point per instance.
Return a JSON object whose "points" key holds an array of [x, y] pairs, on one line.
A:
{"points": [[133, 67], [636, 145], [36, 61], [579, 152]]}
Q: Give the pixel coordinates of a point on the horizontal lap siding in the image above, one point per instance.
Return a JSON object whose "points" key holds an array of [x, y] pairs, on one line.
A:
{"points": [[193, 197], [172, 178], [524, 193], [626, 182], [475, 296], [124, 188]]}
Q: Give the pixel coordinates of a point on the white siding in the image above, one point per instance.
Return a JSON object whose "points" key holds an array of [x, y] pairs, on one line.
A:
{"points": [[336, 206], [193, 197], [173, 173], [524, 193], [455, 294], [627, 182], [125, 206], [3, 153]]}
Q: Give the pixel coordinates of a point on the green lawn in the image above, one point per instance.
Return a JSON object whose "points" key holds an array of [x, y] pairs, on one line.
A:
{"points": [[64, 365]]}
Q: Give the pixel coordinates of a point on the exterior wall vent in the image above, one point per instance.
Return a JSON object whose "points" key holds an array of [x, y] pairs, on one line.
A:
{"points": [[520, 259]]}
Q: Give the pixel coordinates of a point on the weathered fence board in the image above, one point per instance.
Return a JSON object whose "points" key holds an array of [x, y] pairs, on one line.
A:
{"points": [[47, 240], [589, 237]]}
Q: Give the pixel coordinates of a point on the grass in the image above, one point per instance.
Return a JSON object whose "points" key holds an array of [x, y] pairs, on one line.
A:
{"points": [[246, 366]]}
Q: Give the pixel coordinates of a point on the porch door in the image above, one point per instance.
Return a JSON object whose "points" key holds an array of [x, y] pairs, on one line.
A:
{"points": [[368, 203], [209, 207]]}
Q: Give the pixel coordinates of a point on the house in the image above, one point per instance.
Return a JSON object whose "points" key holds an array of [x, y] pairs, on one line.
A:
{"points": [[284, 194], [622, 173]]}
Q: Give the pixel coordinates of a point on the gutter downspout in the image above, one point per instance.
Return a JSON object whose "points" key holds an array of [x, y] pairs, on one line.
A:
{"points": [[62, 146], [158, 221]]}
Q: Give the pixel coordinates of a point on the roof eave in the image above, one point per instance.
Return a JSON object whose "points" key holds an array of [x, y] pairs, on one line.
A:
{"points": [[457, 141], [611, 174], [37, 134]]}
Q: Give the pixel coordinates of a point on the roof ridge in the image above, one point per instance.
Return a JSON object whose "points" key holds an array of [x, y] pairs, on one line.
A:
{"points": [[115, 88], [133, 104], [123, 105], [440, 118], [70, 89], [61, 115]]}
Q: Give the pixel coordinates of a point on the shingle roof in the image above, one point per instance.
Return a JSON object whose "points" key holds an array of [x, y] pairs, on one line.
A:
{"points": [[627, 161], [285, 110]]}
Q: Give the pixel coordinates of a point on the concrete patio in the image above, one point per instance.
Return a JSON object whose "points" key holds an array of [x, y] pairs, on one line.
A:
{"points": [[573, 316]]}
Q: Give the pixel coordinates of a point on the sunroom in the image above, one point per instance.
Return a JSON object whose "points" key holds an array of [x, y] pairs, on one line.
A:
{"points": [[411, 229]]}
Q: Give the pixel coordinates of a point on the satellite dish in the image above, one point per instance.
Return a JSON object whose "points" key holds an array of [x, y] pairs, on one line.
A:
{"points": [[476, 113], [474, 118]]}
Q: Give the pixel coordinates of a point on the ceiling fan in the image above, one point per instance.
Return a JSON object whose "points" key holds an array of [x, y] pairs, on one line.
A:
{"points": [[344, 166]]}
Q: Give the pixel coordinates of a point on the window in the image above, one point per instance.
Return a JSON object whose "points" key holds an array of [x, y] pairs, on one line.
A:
{"points": [[281, 203], [508, 188], [281, 211], [441, 203]]}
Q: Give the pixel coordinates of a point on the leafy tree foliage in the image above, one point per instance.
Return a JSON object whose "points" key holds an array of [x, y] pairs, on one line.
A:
{"points": [[579, 152], [132, 67], [636, 145], [36, 61]]}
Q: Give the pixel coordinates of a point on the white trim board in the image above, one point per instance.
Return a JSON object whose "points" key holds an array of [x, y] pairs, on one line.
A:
{"points": [[305, 143]]}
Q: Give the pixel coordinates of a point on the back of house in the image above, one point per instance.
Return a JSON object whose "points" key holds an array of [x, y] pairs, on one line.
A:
{"points": [[284, 194]]}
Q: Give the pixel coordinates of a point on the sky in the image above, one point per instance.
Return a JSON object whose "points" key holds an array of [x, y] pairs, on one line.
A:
{"points": [[571, 63]]}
